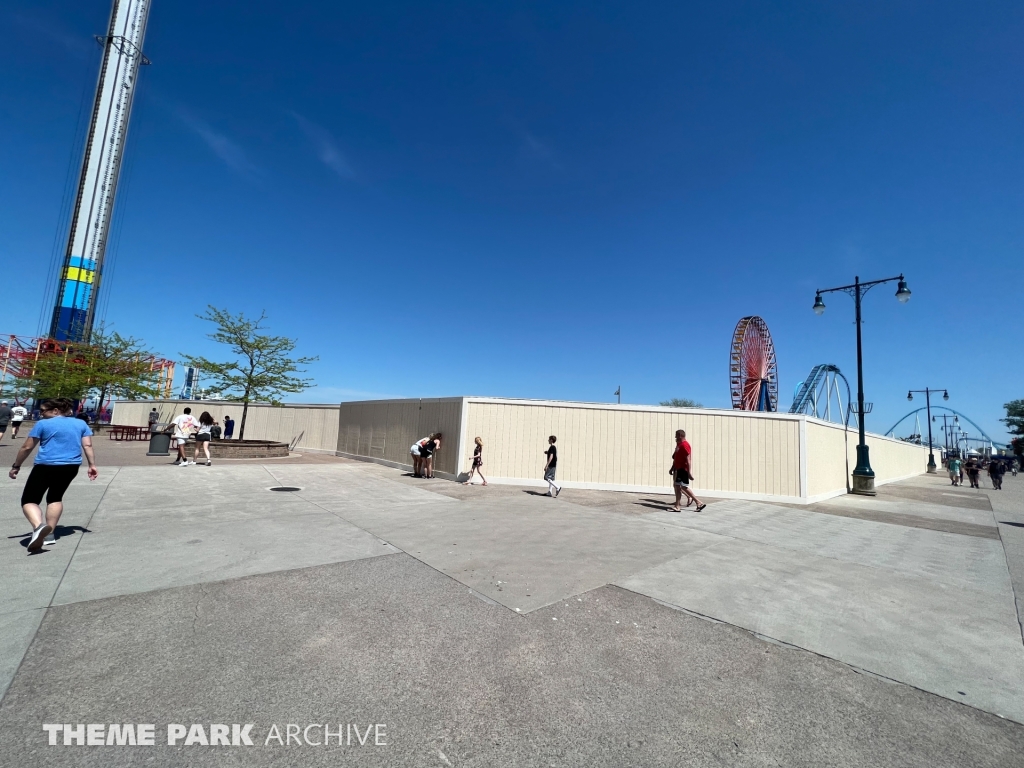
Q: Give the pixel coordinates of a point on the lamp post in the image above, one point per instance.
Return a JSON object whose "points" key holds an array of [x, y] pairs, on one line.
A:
{"points": [[928, 407], [947, 430], [863, 475]]}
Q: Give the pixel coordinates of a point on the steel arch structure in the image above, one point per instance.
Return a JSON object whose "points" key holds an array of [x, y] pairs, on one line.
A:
{"points": [[753, 372], [981, 431], [814, 396]]}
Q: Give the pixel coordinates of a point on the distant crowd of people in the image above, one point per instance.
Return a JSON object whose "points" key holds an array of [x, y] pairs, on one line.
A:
{"points": [[996, 468]]}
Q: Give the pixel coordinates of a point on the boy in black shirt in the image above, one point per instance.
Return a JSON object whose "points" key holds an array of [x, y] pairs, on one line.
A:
{"points": [[549, 467]]}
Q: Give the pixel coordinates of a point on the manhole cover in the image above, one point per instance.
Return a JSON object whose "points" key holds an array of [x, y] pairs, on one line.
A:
{"points": [[286, 488]]}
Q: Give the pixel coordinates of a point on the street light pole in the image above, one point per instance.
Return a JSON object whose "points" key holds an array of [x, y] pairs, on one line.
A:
{"points": [[928, 406], [863, 475]]}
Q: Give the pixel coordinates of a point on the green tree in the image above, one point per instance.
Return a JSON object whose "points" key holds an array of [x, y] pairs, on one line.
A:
{"points": [[1014, 422], [681, 402], [263, 369], [120, 367], [109, 365]]}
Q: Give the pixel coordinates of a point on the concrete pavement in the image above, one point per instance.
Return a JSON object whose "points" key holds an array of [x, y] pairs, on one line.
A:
{"points": [[491, 626]]}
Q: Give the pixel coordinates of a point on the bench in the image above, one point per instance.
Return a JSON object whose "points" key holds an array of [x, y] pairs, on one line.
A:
{"points": [[128, 432]]}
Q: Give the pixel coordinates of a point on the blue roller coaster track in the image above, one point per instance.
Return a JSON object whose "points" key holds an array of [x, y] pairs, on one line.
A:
{"points": [[814, 395], [981, 431]]}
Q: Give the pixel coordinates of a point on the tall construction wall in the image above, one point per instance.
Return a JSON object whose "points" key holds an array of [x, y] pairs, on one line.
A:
{"points": [[749, 455], [304, 427], [384, 430], [736, 454]]}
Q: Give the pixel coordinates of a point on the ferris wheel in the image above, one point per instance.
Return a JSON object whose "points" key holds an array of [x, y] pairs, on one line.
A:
{"points": [[753, 375]]}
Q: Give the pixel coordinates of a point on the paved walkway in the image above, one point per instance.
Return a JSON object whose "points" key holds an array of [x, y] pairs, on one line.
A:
{"points": [[493, 626]]}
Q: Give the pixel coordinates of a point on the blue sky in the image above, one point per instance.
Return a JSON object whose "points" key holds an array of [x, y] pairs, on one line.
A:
{"points": [[548, 200]]}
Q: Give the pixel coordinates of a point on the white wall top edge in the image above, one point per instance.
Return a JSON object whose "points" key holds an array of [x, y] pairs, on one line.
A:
{"points": [[631, 407], [854, 431], [169, 401]]}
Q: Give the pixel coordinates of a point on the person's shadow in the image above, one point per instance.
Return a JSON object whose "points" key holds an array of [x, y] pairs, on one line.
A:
{"points": [[59, 533]]}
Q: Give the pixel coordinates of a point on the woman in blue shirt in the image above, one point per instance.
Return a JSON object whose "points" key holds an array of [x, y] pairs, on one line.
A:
{"points": [[63, 440]]}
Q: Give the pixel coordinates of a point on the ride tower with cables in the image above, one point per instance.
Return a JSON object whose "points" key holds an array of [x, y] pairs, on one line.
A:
{"points": [[92, 210]]}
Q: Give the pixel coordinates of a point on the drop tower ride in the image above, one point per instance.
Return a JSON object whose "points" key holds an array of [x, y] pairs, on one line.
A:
{"points": [[93, 208]]}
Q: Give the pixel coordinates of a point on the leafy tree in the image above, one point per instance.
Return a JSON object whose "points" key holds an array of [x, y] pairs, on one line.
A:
{"points": [[120, 367], [110, 365], [263, 370], [681, 402], [1014, 420]]}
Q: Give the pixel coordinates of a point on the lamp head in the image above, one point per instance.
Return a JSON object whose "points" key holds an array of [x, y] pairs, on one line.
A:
{"points": [[910, 395], [902, 292], [819, 305], [945, 395]]}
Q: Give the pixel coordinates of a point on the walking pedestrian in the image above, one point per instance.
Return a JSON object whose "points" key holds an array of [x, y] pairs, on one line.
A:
{"points": [[995, 474], [154, 417], [476, 462], [973, 471], [62, 442], [5, 417], [681, 476], [427, 451], [184, 426], [18, 414], [229, 427], [203, 436], [954, 471], [550, 467]]}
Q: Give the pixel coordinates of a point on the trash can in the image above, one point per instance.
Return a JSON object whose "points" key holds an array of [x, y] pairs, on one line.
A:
{"points": [[159, 443]]}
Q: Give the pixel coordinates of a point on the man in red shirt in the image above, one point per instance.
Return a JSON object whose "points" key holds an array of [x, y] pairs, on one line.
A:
{"points": [[681, 476]]}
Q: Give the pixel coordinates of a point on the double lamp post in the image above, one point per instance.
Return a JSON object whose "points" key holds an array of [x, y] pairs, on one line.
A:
{"points": [[863, 475], [928, 404]]}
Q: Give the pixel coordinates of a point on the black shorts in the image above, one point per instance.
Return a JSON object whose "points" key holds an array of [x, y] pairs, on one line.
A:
{"points": [[203, 438], [681, 477], [51, 479]]}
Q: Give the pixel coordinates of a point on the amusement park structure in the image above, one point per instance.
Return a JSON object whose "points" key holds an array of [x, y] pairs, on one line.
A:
{"points": [[753, 372], [81, 264], [816, 394], [954, 439], [92, 210], [19, 356]]}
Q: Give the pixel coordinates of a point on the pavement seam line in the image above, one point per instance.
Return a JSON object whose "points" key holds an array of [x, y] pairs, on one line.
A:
{"points": [[46, 608], [88, 524], [785, 644]]}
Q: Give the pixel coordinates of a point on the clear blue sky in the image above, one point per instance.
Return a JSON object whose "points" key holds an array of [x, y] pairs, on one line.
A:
{"points": [[548, 200]]}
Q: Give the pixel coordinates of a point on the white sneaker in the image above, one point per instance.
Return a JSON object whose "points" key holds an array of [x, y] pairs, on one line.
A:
{"points": [[50, 541], [208, 462], [35, 542]]}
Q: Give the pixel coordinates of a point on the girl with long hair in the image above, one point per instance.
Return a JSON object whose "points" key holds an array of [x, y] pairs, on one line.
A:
{"points": [[203, 436], [477, 461]]}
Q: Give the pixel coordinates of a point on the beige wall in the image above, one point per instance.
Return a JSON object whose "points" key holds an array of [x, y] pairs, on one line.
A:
{"points": [[630, 447], [304, 427], [736, 454], [826, 470], [384, 430]]}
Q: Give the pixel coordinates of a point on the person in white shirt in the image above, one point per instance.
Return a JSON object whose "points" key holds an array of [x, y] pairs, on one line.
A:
{"points": [[184, 426], [18, 414]]}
